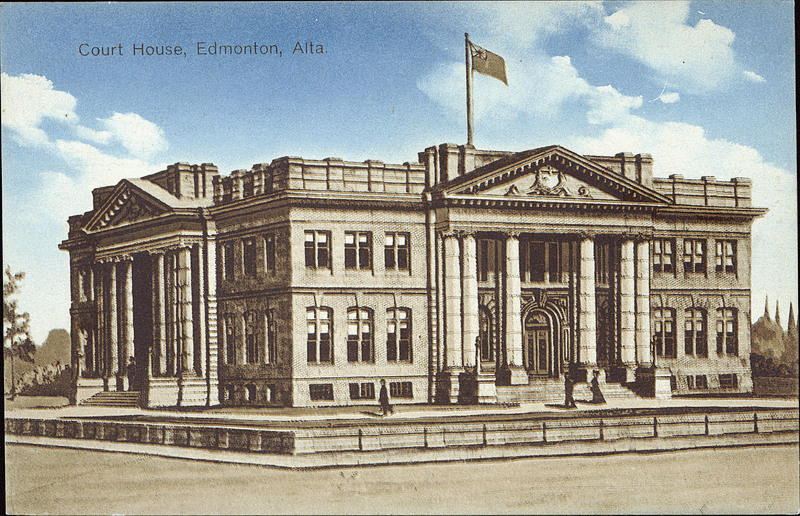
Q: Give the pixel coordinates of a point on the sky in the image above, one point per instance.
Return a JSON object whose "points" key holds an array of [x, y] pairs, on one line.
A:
{"points": [[707, 88]]}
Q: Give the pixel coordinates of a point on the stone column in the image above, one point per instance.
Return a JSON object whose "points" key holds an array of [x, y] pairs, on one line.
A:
{"points": [[470, 296], [159, 311], [587, 317], [100, 341], [643, 353], [452, 296], [514, 312], [113, 333], [627, 304], [185, 308], [127, 328]]}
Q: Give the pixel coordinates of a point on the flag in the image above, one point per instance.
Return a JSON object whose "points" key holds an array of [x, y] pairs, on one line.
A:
{"points": [[488, 63]]}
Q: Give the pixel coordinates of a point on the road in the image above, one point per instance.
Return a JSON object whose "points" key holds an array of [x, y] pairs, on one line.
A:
{"points": [[732, 480]]}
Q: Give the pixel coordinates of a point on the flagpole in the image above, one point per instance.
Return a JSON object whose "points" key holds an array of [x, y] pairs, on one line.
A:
{"points": [[469, 87]]}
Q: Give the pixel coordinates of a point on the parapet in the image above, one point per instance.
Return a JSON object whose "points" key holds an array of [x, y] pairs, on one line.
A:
{"points": [[706, 191], [329, 174], [186, 181]]}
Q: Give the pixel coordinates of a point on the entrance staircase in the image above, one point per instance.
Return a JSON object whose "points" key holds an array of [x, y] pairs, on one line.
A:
{"points": [[119, 399], [551, 390]]}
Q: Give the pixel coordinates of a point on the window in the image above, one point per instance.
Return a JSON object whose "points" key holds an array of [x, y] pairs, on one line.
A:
{"points": [[270, 355], [728, 381], [320, 391], [398, 335], [251, 338], [227, 261], [664, 332], [726, 256], [395, 251], [602, 262], [249, 254], [227, 393], [359, 335], [357, 250], [700, 382], [694, 256], [400, 390], [318, 249], [536, 261], [319, 335], [540, 260], [663, 255], [228, 342], [362, 391], [269, 253], [697, 382], [485, 343], [695, 342], [727, 340]]}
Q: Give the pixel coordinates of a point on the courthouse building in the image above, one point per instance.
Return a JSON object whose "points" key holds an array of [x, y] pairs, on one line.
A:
{"points": [[467, 276]]}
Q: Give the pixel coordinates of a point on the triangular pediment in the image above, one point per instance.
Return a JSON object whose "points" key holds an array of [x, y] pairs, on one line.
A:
{"points": [[126, 205], [552, 174]]}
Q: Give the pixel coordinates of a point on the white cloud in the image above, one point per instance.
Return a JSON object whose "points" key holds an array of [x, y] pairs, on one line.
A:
{"points": [[752, 76], [63, 195], [698, 58], [27, 100], [140, 137], [669, 98], [86, 133], [540, 87]]}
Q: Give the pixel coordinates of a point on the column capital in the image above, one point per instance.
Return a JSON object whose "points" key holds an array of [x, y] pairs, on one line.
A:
{"points": [[512, 234], [450, 234], [587, 235], [642, 237], [157, 252], [125, 258]]}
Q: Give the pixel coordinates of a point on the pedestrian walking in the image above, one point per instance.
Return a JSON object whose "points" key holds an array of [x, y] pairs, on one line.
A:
{"points": [[597, 395], [569, 386], [383, 399]]}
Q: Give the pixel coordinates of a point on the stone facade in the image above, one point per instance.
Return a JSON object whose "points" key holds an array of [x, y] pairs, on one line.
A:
{"points": [[304, 282]]}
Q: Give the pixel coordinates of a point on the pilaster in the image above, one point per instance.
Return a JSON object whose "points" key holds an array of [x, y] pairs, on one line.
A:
{"points": [[452, 294], [587, 316], [627, 303], [514, 312], [470, 296], [643, 351]]}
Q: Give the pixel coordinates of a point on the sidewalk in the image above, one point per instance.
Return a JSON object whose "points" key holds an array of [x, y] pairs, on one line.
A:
{"points": [[402, 412]]}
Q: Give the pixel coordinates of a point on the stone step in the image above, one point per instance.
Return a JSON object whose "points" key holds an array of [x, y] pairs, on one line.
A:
{"points": [[113, 399]]}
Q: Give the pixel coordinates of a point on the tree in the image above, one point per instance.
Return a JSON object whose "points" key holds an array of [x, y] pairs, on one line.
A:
{"points": [[17, 342]]}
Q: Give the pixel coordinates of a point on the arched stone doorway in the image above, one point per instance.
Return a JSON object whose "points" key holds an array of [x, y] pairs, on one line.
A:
{"points": [[542, 328]]}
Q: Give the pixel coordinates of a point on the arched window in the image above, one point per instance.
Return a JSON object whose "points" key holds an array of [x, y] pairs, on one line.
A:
{"points": [[269, 344], [398, 334], [694, 340], [664, 332], [251, 338], [360, 342], [228, 339], [320, 335], [727, 326]]}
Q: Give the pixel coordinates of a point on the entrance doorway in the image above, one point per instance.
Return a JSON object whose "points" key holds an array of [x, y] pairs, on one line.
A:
{"points": [[142, 320], [537, 343]]}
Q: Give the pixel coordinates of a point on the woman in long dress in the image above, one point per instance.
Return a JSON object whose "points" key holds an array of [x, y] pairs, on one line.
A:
{"points": [[597, 395]]}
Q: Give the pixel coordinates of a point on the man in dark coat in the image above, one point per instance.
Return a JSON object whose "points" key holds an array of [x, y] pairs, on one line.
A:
{"points": [[569, 385], [383, 399]]}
